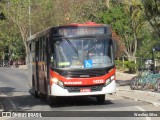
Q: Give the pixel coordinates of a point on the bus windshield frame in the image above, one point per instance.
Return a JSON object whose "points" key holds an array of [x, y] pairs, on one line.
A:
{"points": [[82, 53]]}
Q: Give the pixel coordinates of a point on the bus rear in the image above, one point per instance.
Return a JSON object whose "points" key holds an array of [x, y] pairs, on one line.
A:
{"points": [[81, 61]]}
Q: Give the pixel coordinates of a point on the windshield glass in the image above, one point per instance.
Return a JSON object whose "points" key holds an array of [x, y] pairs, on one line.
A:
{"points": [[83, 53]]}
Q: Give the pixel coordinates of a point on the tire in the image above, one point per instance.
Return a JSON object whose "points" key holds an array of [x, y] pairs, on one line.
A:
{"points": [[51, 100], [133, 82], [100, 99], [158, 85], [35, 92]]}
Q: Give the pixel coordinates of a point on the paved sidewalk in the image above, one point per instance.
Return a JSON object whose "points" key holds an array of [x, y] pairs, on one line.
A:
{"points": [[124, 76], [123, 90], [138, 95]]}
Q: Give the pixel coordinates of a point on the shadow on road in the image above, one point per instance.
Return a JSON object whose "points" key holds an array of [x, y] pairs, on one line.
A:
{"points": [[72, 101], [22, 100], [77, 101], [123, 82], [13, 99]]}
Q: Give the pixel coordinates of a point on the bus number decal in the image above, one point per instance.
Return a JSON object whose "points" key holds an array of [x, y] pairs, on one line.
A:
{"points": [[98, 81]]}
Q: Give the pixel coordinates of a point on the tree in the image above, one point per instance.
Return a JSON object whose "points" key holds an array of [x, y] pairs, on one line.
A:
{"points": [[127, 21], [24, 20], [10, 41], [152, 13], [2, 17]]}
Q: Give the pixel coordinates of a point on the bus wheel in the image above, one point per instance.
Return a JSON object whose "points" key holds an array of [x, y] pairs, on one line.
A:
{"points": [[100, 99], [35, 92], [51, 100]]}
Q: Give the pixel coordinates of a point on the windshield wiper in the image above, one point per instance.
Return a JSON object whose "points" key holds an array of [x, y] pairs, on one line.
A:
{"points": [[74, 48]]}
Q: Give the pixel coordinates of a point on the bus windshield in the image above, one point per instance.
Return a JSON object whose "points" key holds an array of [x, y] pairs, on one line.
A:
{"points": [[83, 53]]}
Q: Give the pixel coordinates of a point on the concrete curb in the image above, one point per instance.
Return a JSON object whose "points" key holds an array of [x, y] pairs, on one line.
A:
{"points": [[138, 99], [1, 107], [124, 74]]}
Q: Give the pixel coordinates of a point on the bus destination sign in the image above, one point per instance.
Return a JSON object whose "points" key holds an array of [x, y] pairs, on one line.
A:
{"points": [[72, 31]]}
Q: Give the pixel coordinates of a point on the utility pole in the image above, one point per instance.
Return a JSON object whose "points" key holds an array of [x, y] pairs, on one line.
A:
{"points": [[29, 13]]}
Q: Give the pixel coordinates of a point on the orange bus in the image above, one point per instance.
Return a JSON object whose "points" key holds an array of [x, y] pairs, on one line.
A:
{"points": [[72, 60]]}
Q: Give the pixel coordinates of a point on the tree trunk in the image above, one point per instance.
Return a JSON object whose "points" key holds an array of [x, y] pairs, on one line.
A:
{"points": [[107, 3]]}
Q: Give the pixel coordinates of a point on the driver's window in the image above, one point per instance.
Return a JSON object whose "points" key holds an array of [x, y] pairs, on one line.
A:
{"points": [[52, 55], [52, 60]]}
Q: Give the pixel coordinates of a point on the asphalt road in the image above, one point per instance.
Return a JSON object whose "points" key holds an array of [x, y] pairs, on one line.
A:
{"points": [[15, 95]]}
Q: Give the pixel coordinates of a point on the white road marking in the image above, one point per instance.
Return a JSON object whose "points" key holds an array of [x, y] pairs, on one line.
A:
{"points": [[141, 109], [110, 98]]}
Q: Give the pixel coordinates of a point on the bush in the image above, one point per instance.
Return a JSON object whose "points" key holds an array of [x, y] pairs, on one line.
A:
{"points": [[119, 64], [131, 66]]}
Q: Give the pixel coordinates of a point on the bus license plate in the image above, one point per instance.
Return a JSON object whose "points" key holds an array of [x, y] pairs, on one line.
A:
{"points": [[85, 90]]}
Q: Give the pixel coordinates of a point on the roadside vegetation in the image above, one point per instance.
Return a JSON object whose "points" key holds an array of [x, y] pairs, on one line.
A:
{"points": [[136, 24]]}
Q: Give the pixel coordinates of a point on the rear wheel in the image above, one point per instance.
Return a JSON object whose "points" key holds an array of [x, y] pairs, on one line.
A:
{"points": [[100, 99], [35, 92]]}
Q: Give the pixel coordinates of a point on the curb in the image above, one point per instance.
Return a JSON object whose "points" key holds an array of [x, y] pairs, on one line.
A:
{"points": [[138, 99], [117, 72], [1, 107]]}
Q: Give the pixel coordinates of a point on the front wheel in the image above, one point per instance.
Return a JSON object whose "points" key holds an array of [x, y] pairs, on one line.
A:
{"points": [[51, 100], [100, 99]]}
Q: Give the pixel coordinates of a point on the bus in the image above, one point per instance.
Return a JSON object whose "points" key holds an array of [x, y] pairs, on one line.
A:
{"points": [[72, 60]]}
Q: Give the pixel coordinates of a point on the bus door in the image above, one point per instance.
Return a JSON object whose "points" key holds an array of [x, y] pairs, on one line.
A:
{"points": [[36, 66], [47, 62], [42, 65], [29, 64]]}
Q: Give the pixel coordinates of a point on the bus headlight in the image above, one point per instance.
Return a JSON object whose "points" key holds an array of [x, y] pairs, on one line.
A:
{"points": [[109, 80], [58, 82]]}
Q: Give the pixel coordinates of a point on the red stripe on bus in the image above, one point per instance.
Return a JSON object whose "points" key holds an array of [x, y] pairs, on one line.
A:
{"points": [[82, 81]]}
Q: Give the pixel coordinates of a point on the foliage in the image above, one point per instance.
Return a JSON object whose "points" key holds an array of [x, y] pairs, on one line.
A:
{"points": [[10, 44], [135, 36], [119, 64], [152, 13], [131, 66], [128, 65], [127, 21]]}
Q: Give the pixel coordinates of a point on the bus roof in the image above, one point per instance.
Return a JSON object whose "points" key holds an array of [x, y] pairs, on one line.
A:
{"points": [[87, 24]]}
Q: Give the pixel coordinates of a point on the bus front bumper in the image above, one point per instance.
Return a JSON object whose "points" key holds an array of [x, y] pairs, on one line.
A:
{"points": [[59, 91]]}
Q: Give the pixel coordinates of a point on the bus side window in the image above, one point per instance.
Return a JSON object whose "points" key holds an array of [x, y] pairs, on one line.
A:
{"points": [[43, 49], [33, 51], [40, 49], [52, 55], [37, 50], [29, 52]]}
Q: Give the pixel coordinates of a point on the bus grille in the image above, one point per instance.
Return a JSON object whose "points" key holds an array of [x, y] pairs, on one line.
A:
{"points": [[77, 88]]}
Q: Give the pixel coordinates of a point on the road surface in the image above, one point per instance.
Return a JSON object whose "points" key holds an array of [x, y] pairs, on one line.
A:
{"points": [[15, 95]]}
